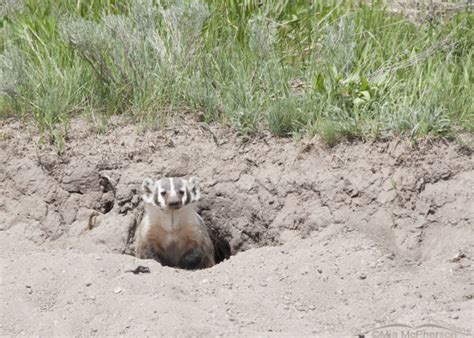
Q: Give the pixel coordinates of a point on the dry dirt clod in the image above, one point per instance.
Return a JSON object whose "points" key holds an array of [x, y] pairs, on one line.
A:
{"points": [[139, 269], [460, 255]]}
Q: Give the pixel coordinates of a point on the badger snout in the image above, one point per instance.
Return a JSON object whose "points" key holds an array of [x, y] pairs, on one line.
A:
{"points": [[174, 204]]}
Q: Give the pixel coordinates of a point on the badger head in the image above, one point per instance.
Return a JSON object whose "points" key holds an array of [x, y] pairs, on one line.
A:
{"points": [[170, 192]]}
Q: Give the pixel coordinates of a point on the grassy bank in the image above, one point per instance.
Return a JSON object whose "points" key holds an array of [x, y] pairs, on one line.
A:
{"points": [[337, 69]]}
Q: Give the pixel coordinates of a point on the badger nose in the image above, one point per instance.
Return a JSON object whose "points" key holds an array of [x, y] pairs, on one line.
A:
{"points": [[174, 204]]}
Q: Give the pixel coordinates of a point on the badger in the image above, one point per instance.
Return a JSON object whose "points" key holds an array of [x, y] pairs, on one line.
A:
{"points": [[171, 231]]}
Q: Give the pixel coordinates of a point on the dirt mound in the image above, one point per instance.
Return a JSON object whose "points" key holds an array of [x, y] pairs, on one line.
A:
{"points": [[375, 218]]}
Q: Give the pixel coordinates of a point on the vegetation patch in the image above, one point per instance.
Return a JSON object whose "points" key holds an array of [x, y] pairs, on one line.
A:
{"points": [[333, 68]]}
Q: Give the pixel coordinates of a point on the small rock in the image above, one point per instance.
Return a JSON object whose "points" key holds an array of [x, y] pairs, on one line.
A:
{"points": [[362, 276], [304, 270], [88, 284], [460, 255], [320, 270], [117, 290], [140, 269], [454, 317]]}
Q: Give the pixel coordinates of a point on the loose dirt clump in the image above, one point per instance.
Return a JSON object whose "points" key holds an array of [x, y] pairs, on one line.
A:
{"points": [[355, 234]]}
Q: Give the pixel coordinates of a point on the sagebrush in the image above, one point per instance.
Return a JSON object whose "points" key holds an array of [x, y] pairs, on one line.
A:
{"points": [[334, 68]]}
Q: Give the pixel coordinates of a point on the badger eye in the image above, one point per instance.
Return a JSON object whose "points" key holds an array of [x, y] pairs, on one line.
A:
{"points": [[181, 192], [163, 193]]}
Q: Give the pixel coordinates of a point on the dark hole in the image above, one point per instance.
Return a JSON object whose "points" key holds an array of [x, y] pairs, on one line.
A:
{"points": [[107, 206], [221, 246]]}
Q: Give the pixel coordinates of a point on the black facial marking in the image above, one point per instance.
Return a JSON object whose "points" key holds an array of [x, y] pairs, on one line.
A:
{"points": [[155, 199], [188, 196]]}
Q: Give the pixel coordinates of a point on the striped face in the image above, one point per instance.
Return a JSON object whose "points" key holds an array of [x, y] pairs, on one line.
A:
{"points": [[170, 192]]}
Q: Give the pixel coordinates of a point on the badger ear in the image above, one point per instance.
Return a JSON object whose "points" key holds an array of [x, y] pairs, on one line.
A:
{"points": [[194, 189], [148, 188]]}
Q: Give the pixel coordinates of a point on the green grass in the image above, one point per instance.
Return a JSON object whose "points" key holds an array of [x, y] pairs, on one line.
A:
{"points": [[339, 69]]}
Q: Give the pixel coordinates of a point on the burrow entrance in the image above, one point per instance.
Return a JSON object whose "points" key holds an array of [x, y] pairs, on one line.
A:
{"points": [[253, 194], [219, 238], [96, 206]]}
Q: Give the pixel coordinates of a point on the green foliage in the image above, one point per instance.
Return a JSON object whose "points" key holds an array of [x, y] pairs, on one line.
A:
{"points": [[339, 69]]}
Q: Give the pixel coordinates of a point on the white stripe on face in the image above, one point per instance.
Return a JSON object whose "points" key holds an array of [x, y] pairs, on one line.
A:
{"points": [[172, 188], [160, 187], [180, 187]]}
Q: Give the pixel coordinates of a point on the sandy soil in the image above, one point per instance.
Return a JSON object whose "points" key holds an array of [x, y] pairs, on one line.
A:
{"points": [[325, 241]]}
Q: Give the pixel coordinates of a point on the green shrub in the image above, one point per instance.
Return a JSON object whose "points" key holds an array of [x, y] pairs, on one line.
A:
{"points": [[334, 68]]}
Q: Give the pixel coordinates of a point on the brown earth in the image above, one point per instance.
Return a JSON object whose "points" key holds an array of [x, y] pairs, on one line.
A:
{"points": [[326, 241]]}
